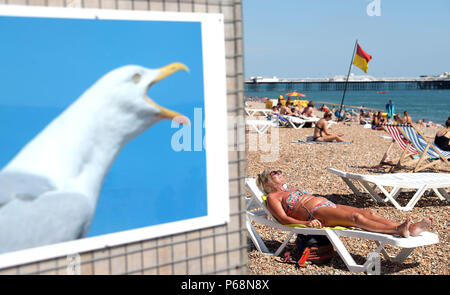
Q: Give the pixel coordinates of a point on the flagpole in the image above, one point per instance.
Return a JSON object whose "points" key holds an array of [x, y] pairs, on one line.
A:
{"points": [[346, 81]]}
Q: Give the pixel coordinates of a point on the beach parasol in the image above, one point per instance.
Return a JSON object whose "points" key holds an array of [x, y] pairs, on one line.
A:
{"points": [[295, 93]]}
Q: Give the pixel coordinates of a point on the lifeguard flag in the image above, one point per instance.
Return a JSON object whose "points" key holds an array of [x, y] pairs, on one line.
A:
{"points": [[361, 59]]}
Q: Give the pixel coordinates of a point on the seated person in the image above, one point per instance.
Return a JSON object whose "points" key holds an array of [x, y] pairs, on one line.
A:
{"points": [[407, 118], [275, 110], [285, 110], [308, 111], [274, 113], [442, 139], [323, 108], [321, 132], [295, 109], [293, 206], [348, 117], [340, 114], [377, 121], [292, 108], [397, 119], [361, 112], [365, 118]]}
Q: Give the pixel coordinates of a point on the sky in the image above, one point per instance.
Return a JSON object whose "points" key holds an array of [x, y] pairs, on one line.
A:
{"points": [[315, 38], [47, 64]]}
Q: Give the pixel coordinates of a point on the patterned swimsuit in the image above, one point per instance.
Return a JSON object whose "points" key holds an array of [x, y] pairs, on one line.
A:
{"points": [[297, 196]]}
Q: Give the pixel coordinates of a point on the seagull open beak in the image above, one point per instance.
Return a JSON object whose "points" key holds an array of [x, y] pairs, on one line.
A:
{"points": [[164, 73]]}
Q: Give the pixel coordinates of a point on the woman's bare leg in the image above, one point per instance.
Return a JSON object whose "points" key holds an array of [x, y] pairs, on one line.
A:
{"points": [[336, 216], [414, 229], [329, 138], [370, 214]]}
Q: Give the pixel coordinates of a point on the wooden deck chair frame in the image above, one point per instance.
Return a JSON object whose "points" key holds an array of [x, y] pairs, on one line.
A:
{"points": [[258, 213], [430, 149], [407, 149], [421, 182]]}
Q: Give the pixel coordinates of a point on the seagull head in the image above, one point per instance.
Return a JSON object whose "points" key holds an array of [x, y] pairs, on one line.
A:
{"points": [[128, 88]]}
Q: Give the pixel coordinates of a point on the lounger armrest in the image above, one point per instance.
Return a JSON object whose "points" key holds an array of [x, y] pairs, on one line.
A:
{"points": [[338, 172]]}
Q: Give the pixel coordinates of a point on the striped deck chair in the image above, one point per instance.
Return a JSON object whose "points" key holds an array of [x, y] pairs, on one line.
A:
{"points": [[426, 148], [404, 144]]}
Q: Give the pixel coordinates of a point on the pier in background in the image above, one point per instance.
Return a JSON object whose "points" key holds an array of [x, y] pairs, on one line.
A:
{"points": [[325, 84]]}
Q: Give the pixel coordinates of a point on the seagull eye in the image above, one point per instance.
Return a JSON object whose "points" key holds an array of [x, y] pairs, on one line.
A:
{"points": [[136, 78]]}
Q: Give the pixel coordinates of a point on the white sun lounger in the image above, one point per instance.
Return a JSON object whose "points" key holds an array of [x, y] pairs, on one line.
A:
{"points": [[421, 182], [258, 213], [298, 123], [260, 126], [295, 122], [252, 112]]}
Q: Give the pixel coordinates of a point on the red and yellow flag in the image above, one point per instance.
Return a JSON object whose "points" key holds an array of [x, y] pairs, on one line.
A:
{"points": [[361, 59]]}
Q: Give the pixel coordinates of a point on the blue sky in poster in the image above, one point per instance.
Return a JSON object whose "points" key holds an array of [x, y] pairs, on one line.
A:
{"points": [[46, 63]]}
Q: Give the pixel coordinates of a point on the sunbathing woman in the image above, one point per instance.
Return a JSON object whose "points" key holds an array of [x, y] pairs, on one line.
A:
{"points": [[292, 206], [321, 132]]}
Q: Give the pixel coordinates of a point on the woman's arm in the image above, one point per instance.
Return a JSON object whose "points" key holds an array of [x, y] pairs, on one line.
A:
{"points": [[325, 129]]}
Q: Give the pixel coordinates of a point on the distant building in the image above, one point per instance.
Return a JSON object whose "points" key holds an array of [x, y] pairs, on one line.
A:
{"points": [[260, 79], [353, 77]]}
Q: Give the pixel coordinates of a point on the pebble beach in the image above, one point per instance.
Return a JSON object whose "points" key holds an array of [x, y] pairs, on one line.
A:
{"points": [[305, 167]]}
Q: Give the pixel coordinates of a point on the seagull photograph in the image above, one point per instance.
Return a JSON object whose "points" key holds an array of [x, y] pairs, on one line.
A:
{"points": [[87, 110]]}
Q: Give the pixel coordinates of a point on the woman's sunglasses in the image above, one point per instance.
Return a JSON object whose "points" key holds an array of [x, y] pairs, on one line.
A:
{"points": [[275, 172]]}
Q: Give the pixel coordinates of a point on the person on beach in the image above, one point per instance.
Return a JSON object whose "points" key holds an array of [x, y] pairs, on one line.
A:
{"points": [[296, 110], [285, 110], [442, 138], [407, 118], [377, 121], [390, 110], [275, 109], [321, 133], [308, 111], [293, 206], [275, 113], [340, 114], [398, 120], [323, 108]]}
